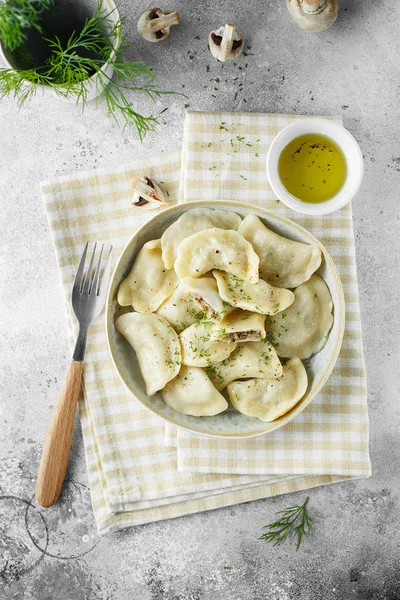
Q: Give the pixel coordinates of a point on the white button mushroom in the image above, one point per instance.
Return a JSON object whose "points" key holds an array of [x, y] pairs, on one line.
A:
{"points": [[147, 195], [154, 26], [225, 43], [313, 15]]}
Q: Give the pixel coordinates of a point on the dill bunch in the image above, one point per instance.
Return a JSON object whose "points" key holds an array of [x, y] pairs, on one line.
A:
{"points": [[72, 62], [278, 531], [16, 16]]}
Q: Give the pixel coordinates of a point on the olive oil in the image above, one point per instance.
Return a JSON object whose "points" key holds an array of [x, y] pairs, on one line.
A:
{"points": [[312, 168]]}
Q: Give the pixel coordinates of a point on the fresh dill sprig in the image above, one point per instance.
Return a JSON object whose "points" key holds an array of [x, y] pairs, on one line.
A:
{"points": [[73, 62], [278, 531], [17, 16]]}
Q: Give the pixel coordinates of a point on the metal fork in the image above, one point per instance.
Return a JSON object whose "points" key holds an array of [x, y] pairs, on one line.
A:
{"points": [[88, 299]]}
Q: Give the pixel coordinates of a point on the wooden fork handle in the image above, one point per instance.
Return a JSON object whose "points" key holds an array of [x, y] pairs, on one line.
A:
{"points": [[54, 461]]}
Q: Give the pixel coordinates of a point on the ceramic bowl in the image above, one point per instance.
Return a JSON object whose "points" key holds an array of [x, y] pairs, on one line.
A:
{"points": [[346, 143], [230, 424], [94, 85]]}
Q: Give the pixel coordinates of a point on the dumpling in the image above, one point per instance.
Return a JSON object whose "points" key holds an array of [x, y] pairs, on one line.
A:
{"points": [[269, 399], [303, 329], [283, 262], [198, 347], [251, 359], [156, 345], [192, 299], [180, 309], [192, 393], [258, 297], [149, 283], [220, 249], [189, 223], [204, 291], [240, 326]]}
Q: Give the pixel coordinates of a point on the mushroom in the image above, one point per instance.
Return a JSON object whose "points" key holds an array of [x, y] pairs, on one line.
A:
{"points": [[313, 15], [225, 43], [154, 26], [146, 194]]}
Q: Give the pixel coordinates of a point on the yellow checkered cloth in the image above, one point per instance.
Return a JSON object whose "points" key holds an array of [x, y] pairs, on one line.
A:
{"points": [[139, 469]]}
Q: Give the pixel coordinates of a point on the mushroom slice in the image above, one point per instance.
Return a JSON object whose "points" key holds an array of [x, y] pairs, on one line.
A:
{"points": [[302, 330], [156, 345], [250, 359], [147, 195], [240, 326], [193, 299], [149, 283], [269, 399], [154, 26], [258, 297], [191, 222], [225, 43], [192, 393], [219, 249], [198, 347], [283, 262]]}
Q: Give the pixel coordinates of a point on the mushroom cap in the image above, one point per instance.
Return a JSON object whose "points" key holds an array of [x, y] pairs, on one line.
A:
{"points": [[313, 15]]}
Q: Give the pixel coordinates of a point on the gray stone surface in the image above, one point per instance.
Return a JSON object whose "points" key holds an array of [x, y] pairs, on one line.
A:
{"points": [[351, 70]]}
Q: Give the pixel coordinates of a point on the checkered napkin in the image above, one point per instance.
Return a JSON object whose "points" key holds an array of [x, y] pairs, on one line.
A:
{"points": [[139, 470]]}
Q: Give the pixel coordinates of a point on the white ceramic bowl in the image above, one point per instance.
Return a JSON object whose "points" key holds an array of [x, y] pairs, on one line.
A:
{"points": [[95, 84], [230, 424], [346, 143]]}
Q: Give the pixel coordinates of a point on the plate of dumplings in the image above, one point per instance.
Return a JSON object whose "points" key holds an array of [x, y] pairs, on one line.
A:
{"points": [[224, 319]]}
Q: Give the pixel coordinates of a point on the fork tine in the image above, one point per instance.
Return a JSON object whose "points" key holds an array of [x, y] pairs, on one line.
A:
{"points": [[105, 280], [78, 277], [86, 285], [95, 283]]}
